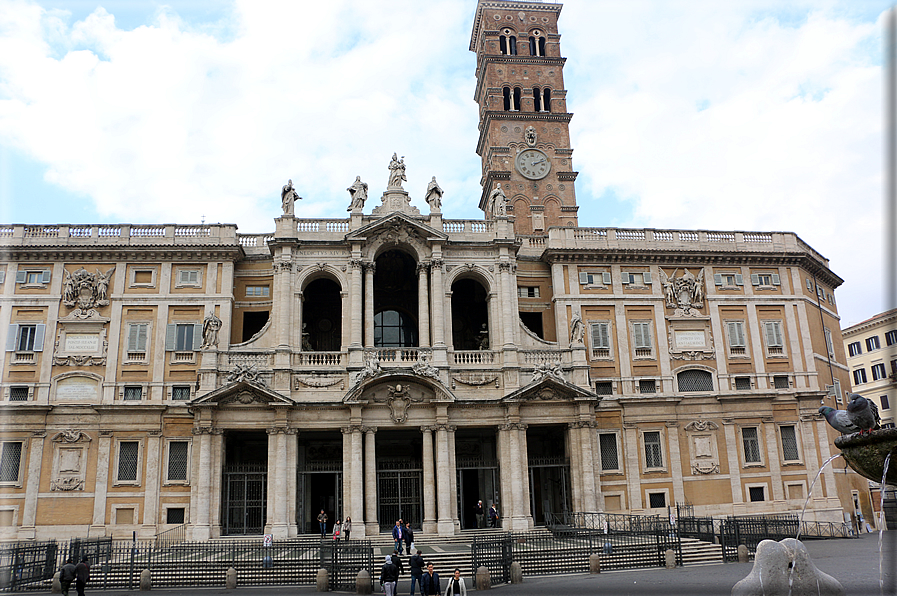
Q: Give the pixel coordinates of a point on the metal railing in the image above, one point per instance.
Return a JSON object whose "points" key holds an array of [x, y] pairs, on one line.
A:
{"points": [[172, 536]]}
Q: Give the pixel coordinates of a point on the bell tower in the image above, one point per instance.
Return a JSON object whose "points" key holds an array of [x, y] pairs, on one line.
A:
{"points": [[524, 139]]}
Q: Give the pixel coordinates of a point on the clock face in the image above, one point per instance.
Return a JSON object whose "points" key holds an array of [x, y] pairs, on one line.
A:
{"points": [[532, 164]]}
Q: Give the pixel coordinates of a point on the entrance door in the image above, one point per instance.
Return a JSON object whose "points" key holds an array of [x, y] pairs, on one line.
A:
{"points": [[245, 498], [549, 487], [477, 484], [321, 490], [399, 494]]}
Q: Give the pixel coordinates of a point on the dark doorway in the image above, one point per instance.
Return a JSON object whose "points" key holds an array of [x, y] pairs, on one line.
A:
{"points": [[399, 478], [322, 494], [470, 319], [319, 480], [549, 472], [322, 316], [253, 323], [478, 477], [245, 483], [470, 494], [395, 301]]}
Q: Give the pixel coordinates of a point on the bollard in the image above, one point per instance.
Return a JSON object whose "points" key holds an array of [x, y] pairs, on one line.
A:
{"points": [[670, 558], [516, 573], [322, 581], [231, 581], [56, 585], [146, 581], [363, 582], [595, 563], [743, 555], [483, 580]]}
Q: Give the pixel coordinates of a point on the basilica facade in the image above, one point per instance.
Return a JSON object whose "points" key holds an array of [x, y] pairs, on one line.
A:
{"points": [[399, 364]]}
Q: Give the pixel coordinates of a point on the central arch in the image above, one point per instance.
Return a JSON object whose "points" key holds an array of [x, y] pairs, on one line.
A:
{"points": [[395, 300]]}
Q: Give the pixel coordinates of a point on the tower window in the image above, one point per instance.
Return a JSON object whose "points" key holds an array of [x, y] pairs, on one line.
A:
{"points": [[537, 44], [537, 100], [507, 42], [546, 100], [506, 94], [517, 94]]}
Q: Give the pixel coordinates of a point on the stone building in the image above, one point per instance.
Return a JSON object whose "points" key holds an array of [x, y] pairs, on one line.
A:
{"points": [[398, 364], [871, 348]]}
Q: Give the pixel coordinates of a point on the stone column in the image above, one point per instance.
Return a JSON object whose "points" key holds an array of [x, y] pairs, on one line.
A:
{"points": [[444, 524], [216, 457], [453, 475], [633, 469], [154, 455], [298, 319], [586, 441], [201, 528], [734, 465], [348, 473], [524, 465], [356, 507], [423, 306], [291, 449], [32, 483], [572, 442], [429, 489], [372, 527], [357, 301], [369, 270], [775, 467], [507, 464], [98, 527], [517, 518], [676, 468], [275, 522], [506, 299], [437, 296], [283, 281]]}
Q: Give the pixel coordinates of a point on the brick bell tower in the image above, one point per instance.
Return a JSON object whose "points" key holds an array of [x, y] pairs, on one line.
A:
{"points": [[524, 140]]}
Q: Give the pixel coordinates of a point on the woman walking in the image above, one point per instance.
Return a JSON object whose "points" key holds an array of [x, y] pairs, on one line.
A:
{"points": [[347, 527], [456, 585]]}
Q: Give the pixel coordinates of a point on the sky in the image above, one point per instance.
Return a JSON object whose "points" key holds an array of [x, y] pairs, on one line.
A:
{"points": [[739, 115]]}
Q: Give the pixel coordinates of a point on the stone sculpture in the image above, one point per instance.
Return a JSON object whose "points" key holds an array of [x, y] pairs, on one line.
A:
{"points": [[785, 567], [210, 327], [683, 293], [577, 329], [434, 196], [498, 202], [288, 197], [86, 290], [359, 193], [529, 136], [397, 172], [548, 369]]}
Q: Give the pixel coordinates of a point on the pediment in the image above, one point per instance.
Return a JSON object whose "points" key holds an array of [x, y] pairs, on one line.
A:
{"points": [[397, 225], [550, 388], [242, 393], [400, 384]]}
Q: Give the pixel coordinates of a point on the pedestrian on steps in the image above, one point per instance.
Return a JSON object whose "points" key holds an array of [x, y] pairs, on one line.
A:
{"points": [[416, 568]]}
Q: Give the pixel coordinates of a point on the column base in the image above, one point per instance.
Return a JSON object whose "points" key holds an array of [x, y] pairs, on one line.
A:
{"points": [[280, 532], [428, 526], [358, 532], [371, 528], [445, 528], [96, 531], [199, 533], [519, 524]]}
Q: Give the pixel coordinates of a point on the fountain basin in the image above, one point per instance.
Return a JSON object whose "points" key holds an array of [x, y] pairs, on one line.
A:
{"points": [[866, 453]]}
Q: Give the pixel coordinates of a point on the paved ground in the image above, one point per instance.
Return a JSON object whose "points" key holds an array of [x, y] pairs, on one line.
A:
{"points": [[855, 563]]}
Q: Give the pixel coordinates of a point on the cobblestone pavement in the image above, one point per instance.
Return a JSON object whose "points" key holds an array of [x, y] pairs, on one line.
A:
{"points": [[852, 562]]}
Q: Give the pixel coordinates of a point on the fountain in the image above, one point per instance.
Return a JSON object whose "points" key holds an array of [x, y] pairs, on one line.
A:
{"points": [[866, 454]]}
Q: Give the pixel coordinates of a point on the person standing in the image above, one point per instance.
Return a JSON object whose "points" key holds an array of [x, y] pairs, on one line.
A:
{"points": [[82, 575], [430, 582], [389, 577], [67, 576], [493, 516], [397, 536], [408, 535], [416, 568], [480, 513], [336, 530], [456, 585], [347, 527], [397, 561], [322, 521]]}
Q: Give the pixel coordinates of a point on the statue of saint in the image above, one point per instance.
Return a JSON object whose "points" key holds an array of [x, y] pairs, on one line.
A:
{"points": [[434, 196], [397, 171], [577, 329], [210, 328], [498, 202], [359, 193], [287, 197]]}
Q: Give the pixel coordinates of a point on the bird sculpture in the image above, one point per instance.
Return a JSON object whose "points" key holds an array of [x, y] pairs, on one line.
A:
{"points": [[863, 413]]}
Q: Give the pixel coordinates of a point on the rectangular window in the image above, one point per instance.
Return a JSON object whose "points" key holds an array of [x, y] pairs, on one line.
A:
{"points": [[885, 403], [647, 386], [765, 279], [789, 443], [781, 382], [636, 279], [872, 343], [838, 394], [594, 278], [751, 445], [657, 500], [177, 461], [854, 348], [33, 277], [10, 459], [829, 345], [527, 291], [18, 394], [604, 387], [258, 291], [653, 452], [127, 461], [180, 392], [891, 337], [735, 331], [878, 371], [729, 280], [137, 334], [757, 493], [183, 337], [775, 345], [641, 339], [600, 336], [189, 278], [859, 376], [133, 393], [26, 339], [610, 460], [175, 515], [742, 383]]}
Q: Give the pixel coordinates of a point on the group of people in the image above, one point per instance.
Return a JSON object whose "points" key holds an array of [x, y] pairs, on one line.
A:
{"points": [[78, 574], [480, 513], [341, 529], [428, 581]]}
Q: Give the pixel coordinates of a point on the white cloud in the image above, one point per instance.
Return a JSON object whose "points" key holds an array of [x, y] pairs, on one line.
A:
{"points": [[702, 114]]}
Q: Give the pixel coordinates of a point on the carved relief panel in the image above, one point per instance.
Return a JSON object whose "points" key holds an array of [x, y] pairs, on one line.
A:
{"points": [[702, 445], [69, 460]]}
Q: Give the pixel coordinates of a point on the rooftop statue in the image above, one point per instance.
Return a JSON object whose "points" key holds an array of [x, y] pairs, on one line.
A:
{"points": [[288, 196], [359, 193]]}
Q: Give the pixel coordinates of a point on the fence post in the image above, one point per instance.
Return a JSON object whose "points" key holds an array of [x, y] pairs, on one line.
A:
{"points": [[133, 555]]}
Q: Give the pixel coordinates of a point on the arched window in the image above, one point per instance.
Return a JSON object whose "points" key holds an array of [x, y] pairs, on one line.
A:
{"points": [[694, 380], [537, 99], [546, 100], [512, 46], [517, 93], [394, 329], [503, 44], [506, 93], [533, 46], [537, 44], [507, 42], [541, 46]]}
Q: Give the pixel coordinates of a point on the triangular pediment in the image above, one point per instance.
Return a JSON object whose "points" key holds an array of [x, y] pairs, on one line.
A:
{"points": [[396, 223], [551, 388], [242, 394]]}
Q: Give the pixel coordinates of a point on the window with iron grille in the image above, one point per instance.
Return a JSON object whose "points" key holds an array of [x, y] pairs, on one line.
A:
{"points": [[751, 445], [780, 382], [695, 380], [757, 493], [854, 348], [647, 386], [127, 461], [180, 392], [657, 500], [175, 515], [653, 452], [872, 343], [607, 442], [10, 458], [133, 393], [18, 394], [604, 387], [789, 443], [742, 383], [177, 460]]}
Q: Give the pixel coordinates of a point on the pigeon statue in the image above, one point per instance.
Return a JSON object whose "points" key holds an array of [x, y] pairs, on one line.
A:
{"points": [[839, 420], [863, 413]]}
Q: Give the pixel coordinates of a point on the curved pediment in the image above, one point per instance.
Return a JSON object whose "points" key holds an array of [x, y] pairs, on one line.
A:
{"points": [[242, 393], [551, 388], [403, 382]]}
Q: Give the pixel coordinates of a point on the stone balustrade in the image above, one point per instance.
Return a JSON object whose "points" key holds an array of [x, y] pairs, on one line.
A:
{"points": [[319, 359], [473, 357], [118, 234]]}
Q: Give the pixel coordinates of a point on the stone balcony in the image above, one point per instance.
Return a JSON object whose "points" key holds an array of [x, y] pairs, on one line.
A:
{"points": [[116, 235]]}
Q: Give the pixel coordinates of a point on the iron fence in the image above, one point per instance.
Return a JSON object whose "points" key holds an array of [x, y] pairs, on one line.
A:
{"points": [[751, 530], [22, 564], [343, 560]]}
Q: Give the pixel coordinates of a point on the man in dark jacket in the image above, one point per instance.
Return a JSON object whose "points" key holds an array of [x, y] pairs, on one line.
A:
{"points": [[389, 577], [408, 535], [397, 561], [397, 532], [429, 582], [82, 575], [416, 567], [67, 576]]}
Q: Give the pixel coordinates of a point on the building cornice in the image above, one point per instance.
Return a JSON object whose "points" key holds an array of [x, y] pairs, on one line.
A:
{"points": [[875, 322], [141, 253], [478, 24], [488, 59], [522, 117]]}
